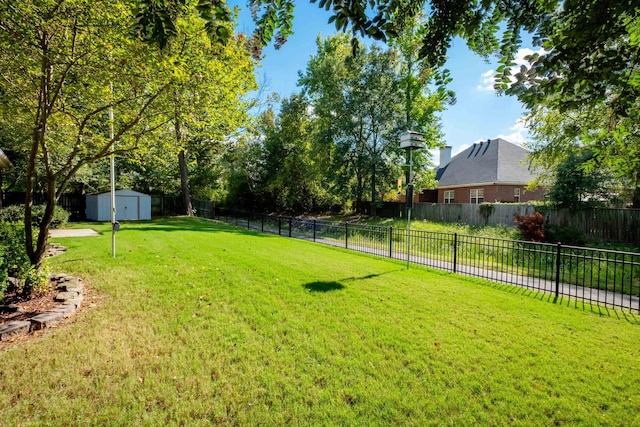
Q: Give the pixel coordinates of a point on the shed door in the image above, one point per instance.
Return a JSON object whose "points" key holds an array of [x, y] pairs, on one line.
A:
{"points": [[126, 208]]}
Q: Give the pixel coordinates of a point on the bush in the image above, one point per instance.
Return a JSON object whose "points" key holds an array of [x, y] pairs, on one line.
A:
{"points": [[14, 261], [4, 277], [531, 226], [12, 214], [15, 215], [565, 235]]}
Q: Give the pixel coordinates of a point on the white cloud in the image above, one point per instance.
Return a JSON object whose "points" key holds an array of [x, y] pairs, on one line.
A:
{"points": [[488, 77], [488, 80], [518, 136]]}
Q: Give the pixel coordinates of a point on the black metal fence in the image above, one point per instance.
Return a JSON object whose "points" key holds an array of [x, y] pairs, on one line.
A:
{"points": [[595, 276], [73, 203]]}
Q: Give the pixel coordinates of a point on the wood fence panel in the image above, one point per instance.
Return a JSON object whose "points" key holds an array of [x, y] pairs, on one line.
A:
{"points": [[467, 213], [611, 225]]}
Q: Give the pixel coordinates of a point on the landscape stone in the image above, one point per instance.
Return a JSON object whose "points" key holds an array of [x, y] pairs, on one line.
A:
{"points": [[75, 288], [64, 296], [66, 309], [69, 285], [13, 329], [46, 320], [77, 302]]}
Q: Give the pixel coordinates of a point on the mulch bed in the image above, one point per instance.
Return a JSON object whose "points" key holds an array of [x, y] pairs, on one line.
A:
{"points": [[31, 305]]}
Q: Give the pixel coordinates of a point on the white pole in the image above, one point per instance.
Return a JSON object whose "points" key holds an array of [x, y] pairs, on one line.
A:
{"points": [[112, 173]]}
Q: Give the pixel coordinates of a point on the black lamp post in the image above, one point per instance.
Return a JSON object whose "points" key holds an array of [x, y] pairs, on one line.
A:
{"points": [[410, 140]]}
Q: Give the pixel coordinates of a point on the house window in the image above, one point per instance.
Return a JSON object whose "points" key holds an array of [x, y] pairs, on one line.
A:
{"points": [[449, 196], [516, 194], [477, 195]]}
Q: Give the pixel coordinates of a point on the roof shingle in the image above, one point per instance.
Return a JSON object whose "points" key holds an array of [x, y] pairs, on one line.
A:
{"points": [[493, 161]]}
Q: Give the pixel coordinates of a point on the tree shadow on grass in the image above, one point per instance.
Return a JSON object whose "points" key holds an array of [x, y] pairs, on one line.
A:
{"points": [[327, 286], [323, 286]]}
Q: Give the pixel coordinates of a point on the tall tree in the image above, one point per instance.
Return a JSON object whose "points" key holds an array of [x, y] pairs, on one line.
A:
{"points": [[613, 142], [421, 104], [577, 33], [356, 99], [58, 62], [576, 186], [206, 95], [293, 175]]}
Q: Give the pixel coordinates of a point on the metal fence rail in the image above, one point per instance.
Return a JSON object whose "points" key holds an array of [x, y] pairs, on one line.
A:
{"points": [[596, 276]]}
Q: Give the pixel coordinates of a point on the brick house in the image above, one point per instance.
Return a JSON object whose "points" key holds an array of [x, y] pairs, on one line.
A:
{"points": [[489, 171]]}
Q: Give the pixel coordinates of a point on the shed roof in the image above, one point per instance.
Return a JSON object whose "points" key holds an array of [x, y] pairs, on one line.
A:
{"points": [[123, 192], [494, 161]]}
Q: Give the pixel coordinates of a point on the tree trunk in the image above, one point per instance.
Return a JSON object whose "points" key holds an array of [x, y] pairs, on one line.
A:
{"points": [[359, 190], [636, 193], [184, 183], [373, 192], [182, 158]]}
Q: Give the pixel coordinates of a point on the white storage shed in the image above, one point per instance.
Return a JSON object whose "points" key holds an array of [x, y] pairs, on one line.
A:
{"points": [[130, 206]]}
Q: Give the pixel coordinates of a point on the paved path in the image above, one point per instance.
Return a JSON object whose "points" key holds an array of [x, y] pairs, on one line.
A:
{"points": [[73, 232]]}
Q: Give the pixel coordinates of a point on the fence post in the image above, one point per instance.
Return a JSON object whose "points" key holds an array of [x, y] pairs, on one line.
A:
{"points": [[279, 226], [390, 242], [262, 223], [290, 226], [346, 235], [455, 252], [236, 215], [558, 263], [248, 221], [314, 230]]}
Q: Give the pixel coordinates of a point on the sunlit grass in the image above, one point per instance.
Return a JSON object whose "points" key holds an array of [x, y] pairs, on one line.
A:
{"points": [[204, 323]]}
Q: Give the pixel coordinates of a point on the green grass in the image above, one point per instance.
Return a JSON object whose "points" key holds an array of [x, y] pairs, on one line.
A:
{"points": [[495, 231], [201, 323], [493, 248]]}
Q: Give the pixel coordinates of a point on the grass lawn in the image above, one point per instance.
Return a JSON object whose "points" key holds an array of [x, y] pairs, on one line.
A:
{"points": [[494, 231], [204, 323]]}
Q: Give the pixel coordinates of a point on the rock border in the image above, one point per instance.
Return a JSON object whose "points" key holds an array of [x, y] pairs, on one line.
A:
{"points": [[70, 295]]}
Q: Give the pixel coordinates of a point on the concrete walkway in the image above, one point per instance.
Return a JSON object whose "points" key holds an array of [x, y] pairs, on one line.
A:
{"points": [[73, 232]]}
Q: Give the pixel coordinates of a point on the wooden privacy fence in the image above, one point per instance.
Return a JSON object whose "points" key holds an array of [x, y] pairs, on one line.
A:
{"points": [[467, 213], [472, 214], [605, 224], [611, 225]]}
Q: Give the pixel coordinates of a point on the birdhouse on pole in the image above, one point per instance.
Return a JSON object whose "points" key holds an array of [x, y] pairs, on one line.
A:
{"points": [[411, 140]]}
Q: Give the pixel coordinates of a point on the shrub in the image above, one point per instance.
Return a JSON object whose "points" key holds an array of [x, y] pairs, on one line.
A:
{"points": [[531, 226], [15, 215], [4, 277], [14, 261], [566, 235], [12, 214]]}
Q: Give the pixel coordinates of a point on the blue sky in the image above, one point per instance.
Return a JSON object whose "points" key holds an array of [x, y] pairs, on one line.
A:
{"points": [[479, 113]]}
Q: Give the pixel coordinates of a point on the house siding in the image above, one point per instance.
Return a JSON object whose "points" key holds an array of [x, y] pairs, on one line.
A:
{"points": [[493, 193]]}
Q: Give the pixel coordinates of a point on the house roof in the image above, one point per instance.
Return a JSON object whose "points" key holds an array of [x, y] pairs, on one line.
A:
{"points": [[4, 161], [494, 161]]}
